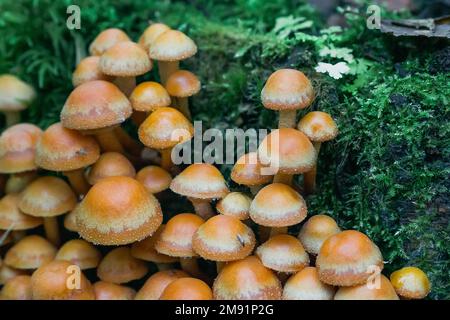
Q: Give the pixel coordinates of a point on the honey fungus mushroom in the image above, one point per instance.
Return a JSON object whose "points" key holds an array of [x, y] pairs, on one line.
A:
{"points": [[249, 171], [17, 288], [88, 70], [411, 283], [187, 289], [382, 291], [106, 39], [155, 179], [157, 283], [235, 204], [12, 218], [30, 253], [111, 164], [79, 252], [316, 230], [181, 85]]}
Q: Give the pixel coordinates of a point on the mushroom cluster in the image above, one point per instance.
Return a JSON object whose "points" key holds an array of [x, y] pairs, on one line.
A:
{"points": [[83, 215]]}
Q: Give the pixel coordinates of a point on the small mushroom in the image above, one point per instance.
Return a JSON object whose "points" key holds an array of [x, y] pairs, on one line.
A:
{"points": [[88, 70], [157, 283], [17, 288], [111, 164], [17, 182], [30, 253], [305, 285], [383, 291], [111, 291], [154, 179], [149, 96], [12, 218], [235, 204], [106, 39], [81, 253], [316, 230], [249, 171], [187, 289], [181, 85], [150, 34], [411, 283]]}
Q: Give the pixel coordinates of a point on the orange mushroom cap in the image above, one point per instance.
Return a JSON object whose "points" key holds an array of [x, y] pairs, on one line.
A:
{"points": [[150, 34], [248, 171], [316, 230], [149, 96], [110, 291], [7, 273], [70, 221], [183, 84], [382, 291], [88, 70], [305, 285], [187, 289], [318, 126], [235, 204], [145, 249], [15, 95], [79, 252], [17, 288], [155, 179], [106, 39], [157, 283], [172, 45], [411, 283], [17, 182], [111, 164], [30, 253], [12, 218]]}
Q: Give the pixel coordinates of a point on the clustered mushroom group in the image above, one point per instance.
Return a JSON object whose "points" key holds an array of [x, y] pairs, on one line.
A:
{"points": [[110, 196]]}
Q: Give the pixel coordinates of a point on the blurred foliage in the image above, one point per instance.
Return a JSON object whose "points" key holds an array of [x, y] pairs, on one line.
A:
{"points": [[387, 172]]}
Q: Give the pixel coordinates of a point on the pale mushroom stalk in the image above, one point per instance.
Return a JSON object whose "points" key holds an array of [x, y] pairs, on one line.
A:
{"points": [[183, 106], [309, 178], [126, 84], [127, 142], [278, 230], [78, 181], [52, 230], [202, 207], [166, 68], [283, 178], [287, 119]]}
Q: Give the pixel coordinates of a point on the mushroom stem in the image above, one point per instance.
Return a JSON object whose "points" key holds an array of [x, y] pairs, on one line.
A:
{"points": [[164, 266], [190, 265], [126, 84], [278, 230], [287, 119], [52, 230], [183, 106], [166, 68], [108, 141], [202, 208], [78, 181], [219, 266], [309, 178], [166, 159], [127, 142], [12, 118], [283, 178]]}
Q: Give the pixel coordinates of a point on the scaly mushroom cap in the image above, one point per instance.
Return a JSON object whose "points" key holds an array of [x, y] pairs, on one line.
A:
{"points": [[149, 96], [47, 197], [183, 84], [110, 291], [346, 259], [246, 279], [363, 291], [318, 126], [165, 128], [278, 205], [49, 282], [79, 252], [70, 221], [157, 283], [316, 230], [289, 150], [111, 164], [201, 181], [62, 149], [235, 204], [17, 288], [15, 95], [283, 253], [187, 289], [411, 283], [150, 34], [7, 273], [119, 266], [12, 218], [95, 105], [125, 59], [154, 178], [30, 253], [118, 210], [18, 147], [305, 285], [88, 70], [172, 45], [145, 249], [287, 89], [223, 238], [106, 39], [249, 171], [176, 238]]}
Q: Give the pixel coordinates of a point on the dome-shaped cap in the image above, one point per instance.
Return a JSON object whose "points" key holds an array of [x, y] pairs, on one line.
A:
{"points": [[49, 282], [118, 210], [47, 197], [106, 39], [200, 180], [157, 283], [316, 230], [149, 96], [111, 291], [411, 283], [18, 147], [119, 266], [155, 179], [383, 291], [246, 279], [15, 95], [111, 164], [70, 221], [62, 149], [150, 34], [318, 126], [125, 59], [79, 252], [235, 204], [283, 253], [17, 182], [17, 288], [182, 84], [223, 238], [145, 249], [287, 89], [95, 105], [187, 289], [12, 218], [88, 70], [165, 128], [346, 259], [305, 285], [249, 171], [30, 253], [278, 205], [289, 150], [172, 45]]}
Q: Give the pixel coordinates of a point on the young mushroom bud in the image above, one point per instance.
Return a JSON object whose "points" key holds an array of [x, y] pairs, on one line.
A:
{"points": [[315, 231], [411, 283], [181, 85], [154, 179], [111, 164], [235, 204], [88, 70], [249, 171], [305, 285]]}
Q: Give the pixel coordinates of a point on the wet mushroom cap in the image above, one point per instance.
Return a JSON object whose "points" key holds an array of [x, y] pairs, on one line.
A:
{"points": [[79, 252], [119, 266], [411, 283], [246, 279], [145, 249], [149, 96], [235, 204], [106, 39], [172, 45], [283, 253], [88, 70], [223, 238], [118, 210], [200, 180], [289, 150], [249, 171], [62, 149], [15, 95], [111, 291], [17, 288], [187, 289], [157, 283], [287, 89], [47, 197], [18, 148], [318, 126], [305, 285], [278, 205], [152, 32], [155, 179], [316, 230], [95, 105], [30, 253], [383, 291], [49, 282], [111, 164], [183, 84], [12, 218], [346, 258]]}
